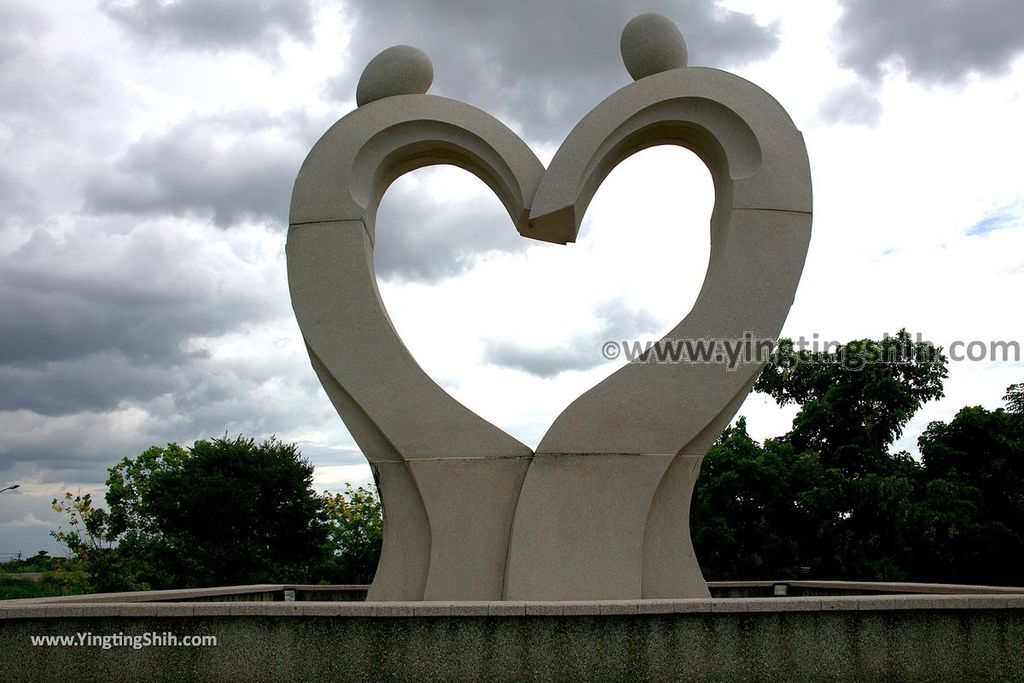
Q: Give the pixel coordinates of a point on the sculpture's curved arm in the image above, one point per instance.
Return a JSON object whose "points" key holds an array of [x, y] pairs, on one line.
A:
{"points": [[625, 454], [760, 231], [347, 172], [391, 406]]}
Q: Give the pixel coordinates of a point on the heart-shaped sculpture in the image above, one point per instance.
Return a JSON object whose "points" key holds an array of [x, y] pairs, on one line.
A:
{"points": [[601, 509]]}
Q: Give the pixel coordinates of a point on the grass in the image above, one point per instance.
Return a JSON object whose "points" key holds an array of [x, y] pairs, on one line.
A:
{"points": [[60, 576], [51, 584]]}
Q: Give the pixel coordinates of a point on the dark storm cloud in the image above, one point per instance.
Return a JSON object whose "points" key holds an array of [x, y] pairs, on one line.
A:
{"points": [[853, 104], [419, 239], [214, 25], [59, 454], [541, 65], [937, 42], [544, 363], [228, 168], [617, 322], [46, 324], [89, 413], [75, 418], [95, 382], [142, 295]]}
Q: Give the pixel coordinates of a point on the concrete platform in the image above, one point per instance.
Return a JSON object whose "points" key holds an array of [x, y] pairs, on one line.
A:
{"points": [[924, 637]]}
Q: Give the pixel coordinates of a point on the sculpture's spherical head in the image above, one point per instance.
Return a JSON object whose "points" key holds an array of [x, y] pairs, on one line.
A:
{"points": [[650, 44], [398, 70]]}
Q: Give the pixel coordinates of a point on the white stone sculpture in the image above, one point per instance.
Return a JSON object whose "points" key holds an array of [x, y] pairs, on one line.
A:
{"points": [[601, 509]]}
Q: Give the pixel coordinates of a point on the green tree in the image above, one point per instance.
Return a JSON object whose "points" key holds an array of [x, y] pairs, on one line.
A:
{"points": [[1015, 399], [144, 559], [129, 487], [828, 498], [355, 532], [87, 539], [764, 512], [975, 517], [235, 512], [85, 534], [856, 400], [753, 506], [226, 511], [876, 530]]}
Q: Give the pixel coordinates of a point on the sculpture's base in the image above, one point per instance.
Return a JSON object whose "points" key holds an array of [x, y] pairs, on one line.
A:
{"points": [[863, 638], [546, 527], [446, 527], [591, 527]]}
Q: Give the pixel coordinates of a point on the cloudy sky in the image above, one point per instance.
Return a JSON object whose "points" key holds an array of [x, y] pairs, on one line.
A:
{"points": [[150, 148]]}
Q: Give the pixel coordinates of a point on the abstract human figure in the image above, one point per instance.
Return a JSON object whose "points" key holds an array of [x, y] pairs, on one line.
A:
{"points": [[600, 510]]}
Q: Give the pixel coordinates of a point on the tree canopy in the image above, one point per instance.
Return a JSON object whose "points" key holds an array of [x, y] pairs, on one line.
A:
{"points": [[856, 400], [830, 499], [222, 512]]}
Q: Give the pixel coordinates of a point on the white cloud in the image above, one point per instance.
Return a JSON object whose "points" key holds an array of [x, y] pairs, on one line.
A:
{"points": [[336, 477]]}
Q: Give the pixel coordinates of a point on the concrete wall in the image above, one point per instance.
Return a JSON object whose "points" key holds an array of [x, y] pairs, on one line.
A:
{"points": [[975, 638]]}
